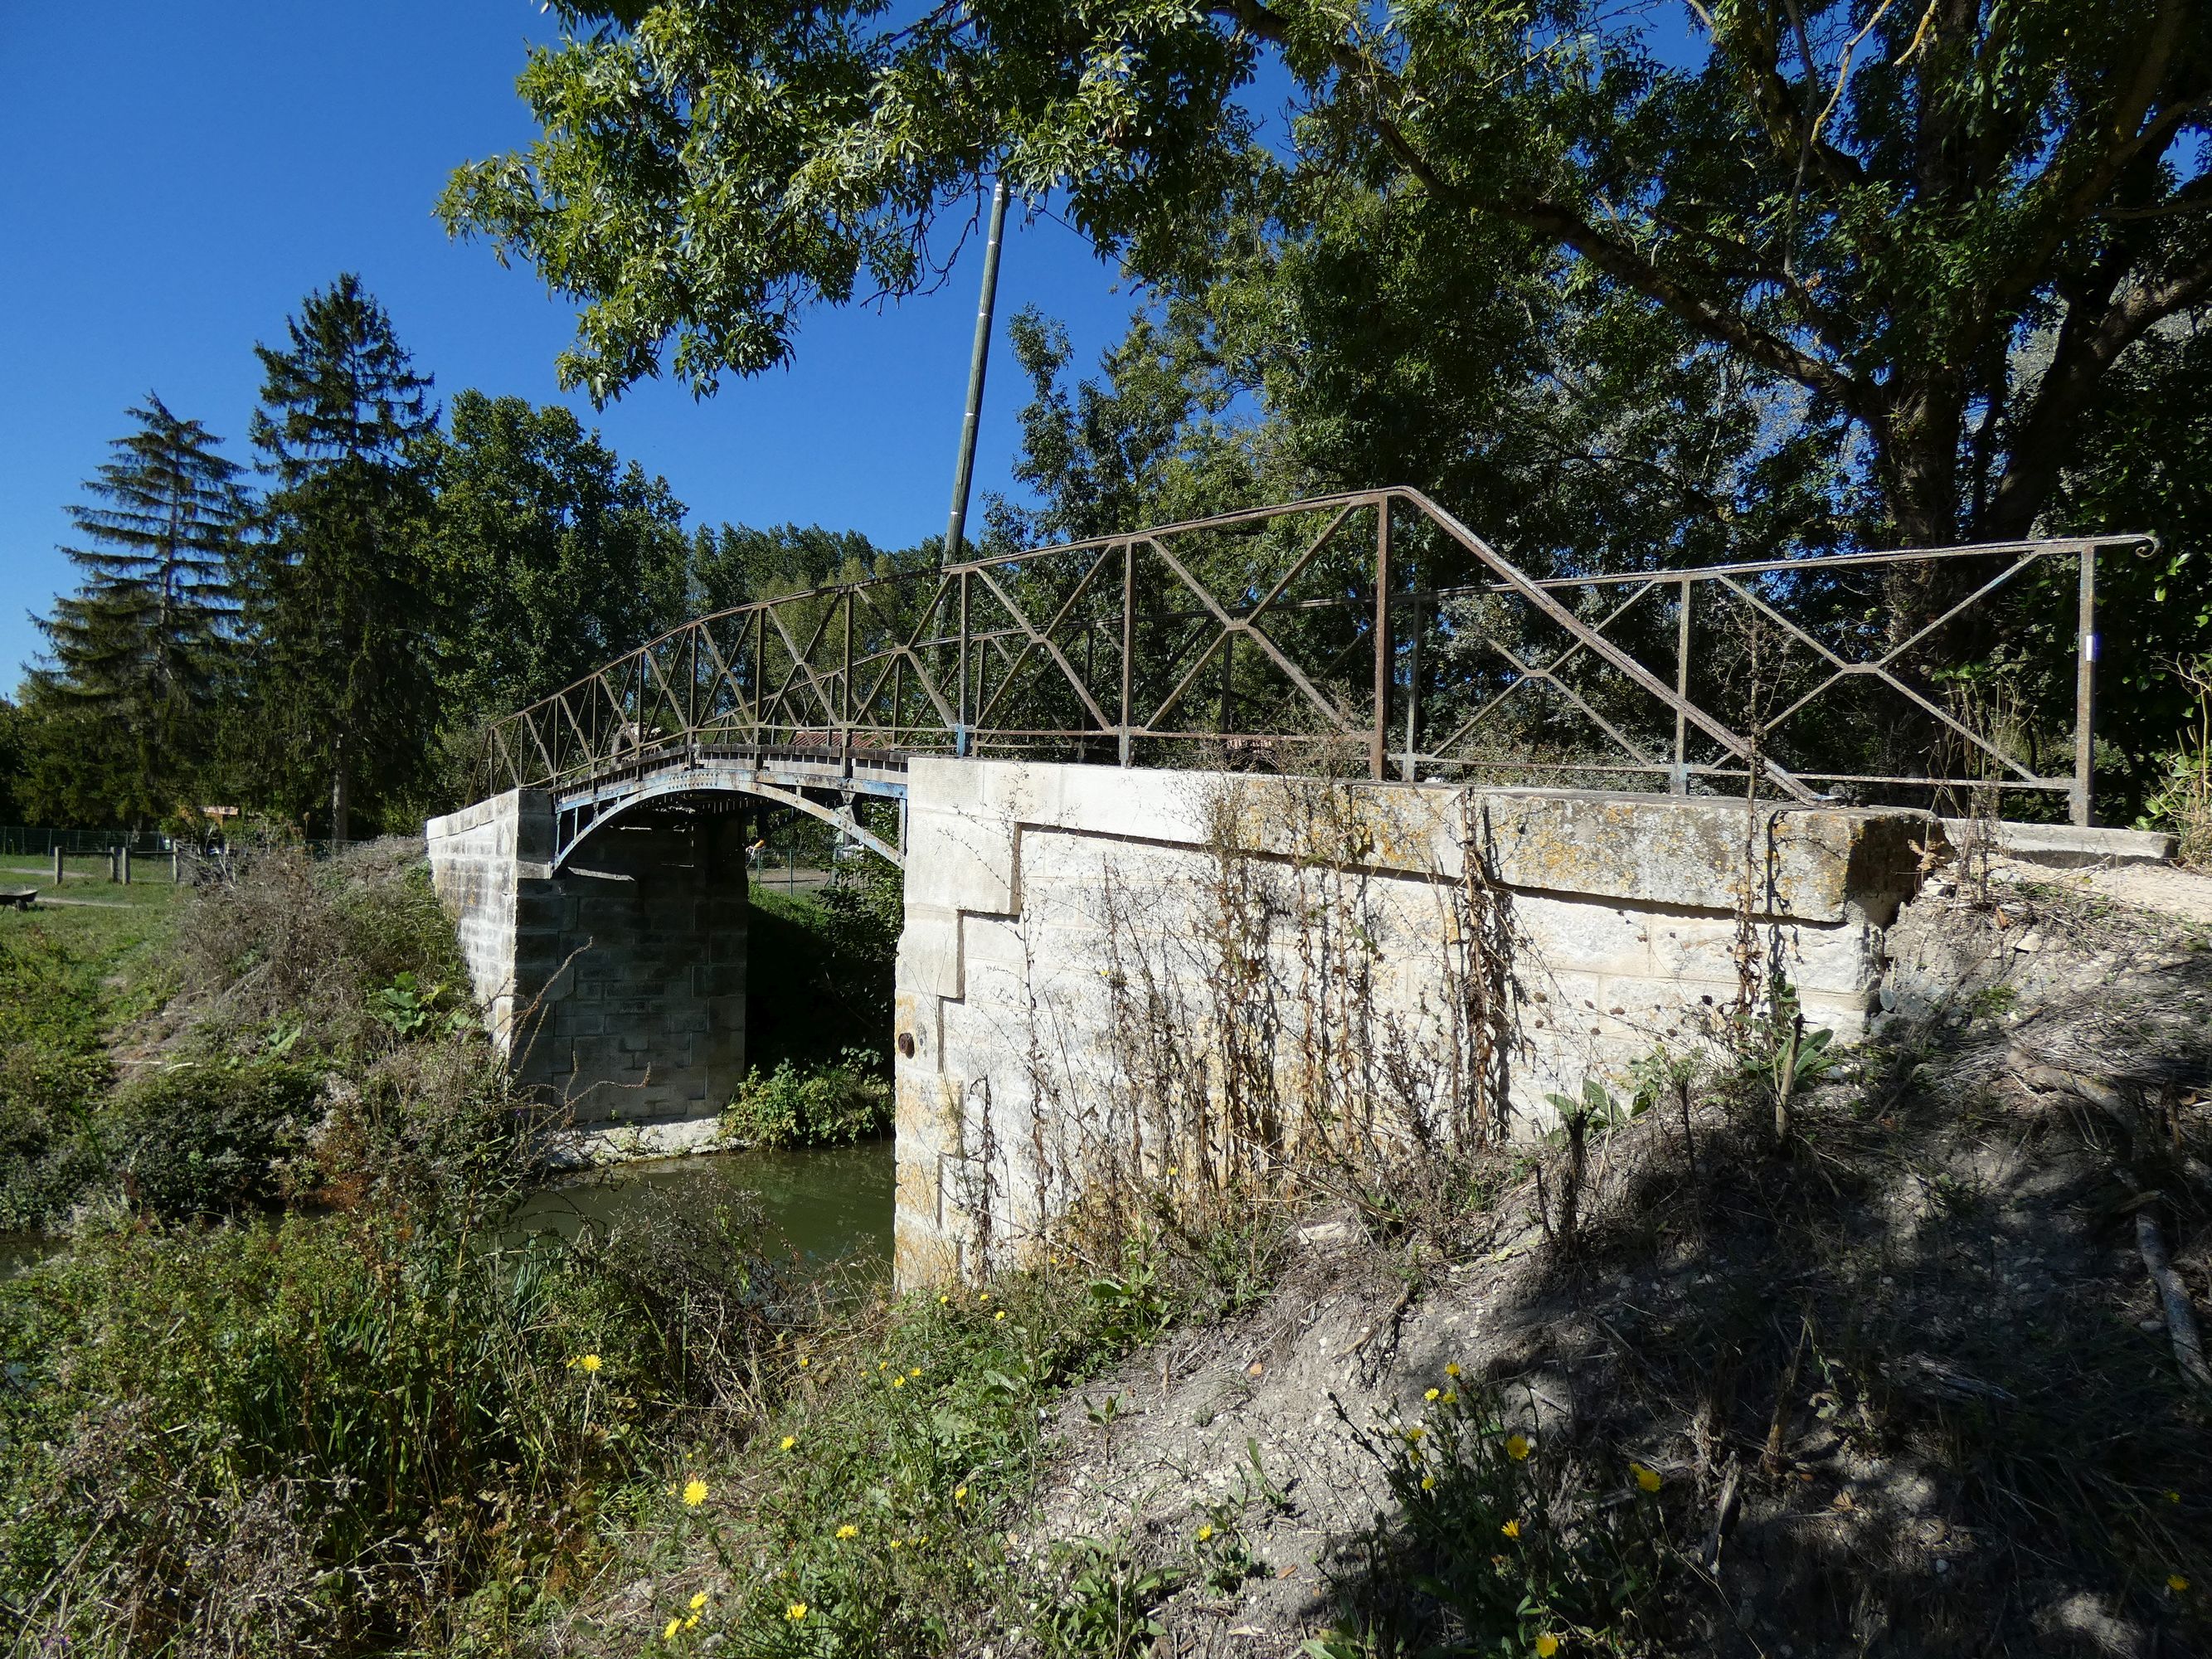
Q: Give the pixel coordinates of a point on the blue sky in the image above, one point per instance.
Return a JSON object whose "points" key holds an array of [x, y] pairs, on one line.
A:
{"points": [[178, 177]]}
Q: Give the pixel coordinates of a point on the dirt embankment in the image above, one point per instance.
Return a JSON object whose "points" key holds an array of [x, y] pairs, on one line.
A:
{"points": [[1906, 1388]]}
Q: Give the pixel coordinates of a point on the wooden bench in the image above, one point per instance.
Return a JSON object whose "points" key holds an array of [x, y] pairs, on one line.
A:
{"points": [[21, 898]]}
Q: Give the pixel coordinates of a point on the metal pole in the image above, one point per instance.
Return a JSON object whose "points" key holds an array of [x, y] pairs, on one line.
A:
{"points": [[1413, 691], [1379, 737], [2085, 688], [964, 474], [1129, 635], [960, 736], [1677, 782]]}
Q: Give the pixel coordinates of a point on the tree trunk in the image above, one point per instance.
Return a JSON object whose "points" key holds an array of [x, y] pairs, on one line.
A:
{"points": [[339, 805]]}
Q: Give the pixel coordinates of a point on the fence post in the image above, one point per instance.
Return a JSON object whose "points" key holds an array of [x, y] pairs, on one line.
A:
{"points": [[57, 861], [126, 864], [1128, 634], [1383, 665], [2085, 689], [1678, 780], [1413, 685]]}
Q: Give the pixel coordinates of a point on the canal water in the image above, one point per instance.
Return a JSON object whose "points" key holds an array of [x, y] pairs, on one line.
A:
{"points": [[828, 1205]]}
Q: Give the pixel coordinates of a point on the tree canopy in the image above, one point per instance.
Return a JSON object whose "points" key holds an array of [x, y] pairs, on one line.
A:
{"points": [[1882, 206], [138, 650]]}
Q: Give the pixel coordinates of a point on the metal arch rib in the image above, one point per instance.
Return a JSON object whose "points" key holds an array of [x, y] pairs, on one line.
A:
{"points": [[685, 781]]}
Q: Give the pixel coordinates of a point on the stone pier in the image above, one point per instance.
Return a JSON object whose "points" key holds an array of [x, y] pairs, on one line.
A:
{"points": [[617, 984]]}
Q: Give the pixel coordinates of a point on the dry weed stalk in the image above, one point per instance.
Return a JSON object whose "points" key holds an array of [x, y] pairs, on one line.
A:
{"points": [[1254, 1041]]}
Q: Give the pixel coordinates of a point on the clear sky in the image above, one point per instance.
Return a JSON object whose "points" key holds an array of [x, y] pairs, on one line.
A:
{"points": [[174, 179]]}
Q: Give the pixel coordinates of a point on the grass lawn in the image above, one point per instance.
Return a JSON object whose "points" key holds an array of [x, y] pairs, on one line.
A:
{"points": [[96, 943]]}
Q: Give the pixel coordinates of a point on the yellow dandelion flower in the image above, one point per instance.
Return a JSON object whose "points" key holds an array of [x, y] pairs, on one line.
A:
{"points": [[1452, 1370], [883, 1364], [2176, 1582], [1647, 1478], [2173, 1498], [960, 1494], [1001, 1314], [1432, 1394], [1205, 1532], [795, 1611], [1450, 1398], [984, 1296], [1546, 1646], [915, 1371], [699, 1601], [695, 1492], [895, 1542], [898, 1382], [848, 1530], [669, 1634], [1415, 1433], [1518, 1447], [944, 1301], [584, 1362], [692, 1623], [1171, 1170], [1428, 1483], [1511, 1529], [802, 1362], [789, 1440]]}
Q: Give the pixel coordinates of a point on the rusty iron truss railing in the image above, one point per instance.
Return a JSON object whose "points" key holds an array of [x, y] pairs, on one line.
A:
{"points": [[1370, 631]]}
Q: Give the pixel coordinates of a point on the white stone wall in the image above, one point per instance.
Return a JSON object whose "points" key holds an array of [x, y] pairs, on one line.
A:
{"points": [[1046, 903], [479, 856]]}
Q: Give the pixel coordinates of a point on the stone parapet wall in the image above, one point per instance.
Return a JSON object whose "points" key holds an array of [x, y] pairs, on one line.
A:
{"points": [[1094, 959]]}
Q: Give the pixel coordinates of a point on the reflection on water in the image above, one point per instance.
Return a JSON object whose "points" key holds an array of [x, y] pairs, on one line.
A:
{"points": [[21, 1250], [833, 1202]]}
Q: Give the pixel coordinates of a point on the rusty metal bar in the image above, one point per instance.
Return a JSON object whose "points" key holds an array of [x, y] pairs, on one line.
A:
{"points": [[1383, 665], [631, 713], [2085, 688]]}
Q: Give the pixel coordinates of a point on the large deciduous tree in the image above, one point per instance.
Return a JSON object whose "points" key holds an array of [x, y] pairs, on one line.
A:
{"points": [[123, 717], [342, 600], [562, 556], [1945, 221]]}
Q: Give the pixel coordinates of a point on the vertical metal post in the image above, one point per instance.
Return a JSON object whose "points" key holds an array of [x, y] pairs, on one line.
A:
{"points": [[2085, 688], [845, 683], [960, 731], [1678, 780], [1128, 636], [1379, 737], [964, 475], [1406, 767]]}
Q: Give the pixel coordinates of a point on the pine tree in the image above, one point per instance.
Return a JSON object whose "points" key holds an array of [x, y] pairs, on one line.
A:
{"points": [[136, 652], [340, 600]]}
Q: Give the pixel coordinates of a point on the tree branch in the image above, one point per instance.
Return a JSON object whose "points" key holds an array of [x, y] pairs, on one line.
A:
{"points": [[1564, 225], [2089, 342]]}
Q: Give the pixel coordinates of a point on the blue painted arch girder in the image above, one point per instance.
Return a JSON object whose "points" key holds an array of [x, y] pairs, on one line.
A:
{"points": [[823, 783]]}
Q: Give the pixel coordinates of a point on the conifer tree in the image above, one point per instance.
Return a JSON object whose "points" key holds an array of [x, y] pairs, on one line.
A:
{"points": [[340, 597], [136, 652]]}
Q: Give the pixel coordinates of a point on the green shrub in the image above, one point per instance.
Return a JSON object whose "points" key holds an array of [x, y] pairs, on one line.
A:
{"points": [[47, 1154], [309, 1436], [205, 1138], [1504, 1542], [833, 1105]]}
